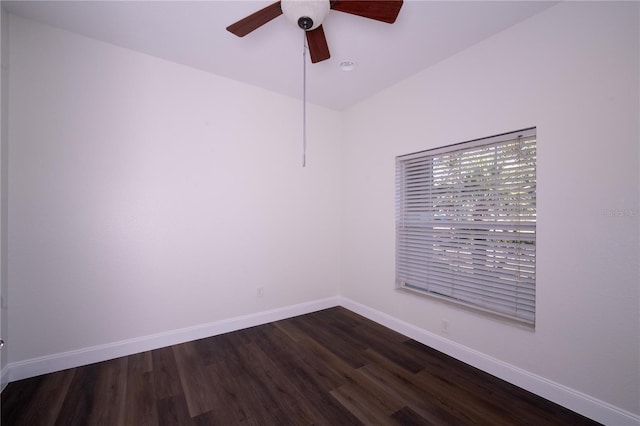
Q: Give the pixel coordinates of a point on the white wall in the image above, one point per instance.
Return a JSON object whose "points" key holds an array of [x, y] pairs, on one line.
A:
{"points": [[146, 196], [573, 72]]}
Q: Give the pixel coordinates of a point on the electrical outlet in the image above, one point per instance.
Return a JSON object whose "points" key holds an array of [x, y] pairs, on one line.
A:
{"points": [[260, 292]]}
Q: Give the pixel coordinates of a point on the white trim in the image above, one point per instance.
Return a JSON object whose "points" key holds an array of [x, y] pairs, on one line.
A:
{"points": [[4, 378], [572, 399], [61, 361]]}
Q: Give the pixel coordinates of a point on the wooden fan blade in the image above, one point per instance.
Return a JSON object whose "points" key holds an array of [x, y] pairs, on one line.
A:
{"points": [[255, 20], [380, 10], [318, 47]]}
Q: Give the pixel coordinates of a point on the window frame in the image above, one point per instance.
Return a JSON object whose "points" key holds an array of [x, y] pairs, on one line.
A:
{"points": [[445, 232]]}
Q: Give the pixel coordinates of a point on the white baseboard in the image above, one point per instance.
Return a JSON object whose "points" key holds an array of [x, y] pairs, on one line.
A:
{"points": [[579, 402], [4, 378], [61, 361]]}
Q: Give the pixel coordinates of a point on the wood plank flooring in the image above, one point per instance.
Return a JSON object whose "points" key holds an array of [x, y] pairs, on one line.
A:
{"points": [[331, 367]]}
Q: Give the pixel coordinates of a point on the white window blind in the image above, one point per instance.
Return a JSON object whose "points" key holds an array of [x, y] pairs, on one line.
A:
{"points": [[466, 223]]}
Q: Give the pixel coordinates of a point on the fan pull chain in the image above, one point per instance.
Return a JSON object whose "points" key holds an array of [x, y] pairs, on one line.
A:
{"points": [[304, 100]]}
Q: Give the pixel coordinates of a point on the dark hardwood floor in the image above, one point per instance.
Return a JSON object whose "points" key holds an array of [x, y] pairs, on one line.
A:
{"points": [[331, 367]]}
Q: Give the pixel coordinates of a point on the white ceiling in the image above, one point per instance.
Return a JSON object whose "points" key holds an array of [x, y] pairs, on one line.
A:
{"points": [[193, 33]]}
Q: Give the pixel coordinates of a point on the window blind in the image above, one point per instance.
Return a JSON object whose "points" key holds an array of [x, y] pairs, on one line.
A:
{"points": [[466, 223]]}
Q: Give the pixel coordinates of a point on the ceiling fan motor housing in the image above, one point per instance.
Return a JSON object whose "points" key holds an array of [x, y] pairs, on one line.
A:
{"points": [[305, 23], [306, 14]]}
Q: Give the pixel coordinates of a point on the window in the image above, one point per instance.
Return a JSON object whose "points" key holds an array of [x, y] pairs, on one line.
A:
{"points": [[466, 223]]}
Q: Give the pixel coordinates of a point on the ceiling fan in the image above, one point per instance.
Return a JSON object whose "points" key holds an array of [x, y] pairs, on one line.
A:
{"points": [[309, 14]]}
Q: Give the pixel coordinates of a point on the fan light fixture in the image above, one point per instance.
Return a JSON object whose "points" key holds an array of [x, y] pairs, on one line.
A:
{"points": [[309, 15], [306, 14]]}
